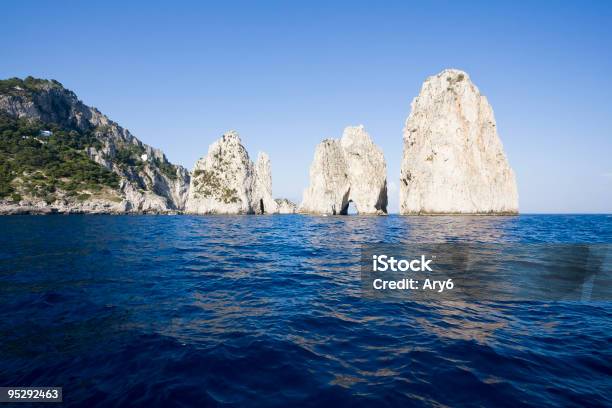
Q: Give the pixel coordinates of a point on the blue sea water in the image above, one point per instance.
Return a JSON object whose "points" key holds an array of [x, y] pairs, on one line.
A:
{"points": [[267, 311]]}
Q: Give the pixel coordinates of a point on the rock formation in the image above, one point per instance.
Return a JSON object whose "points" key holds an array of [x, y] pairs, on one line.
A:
{"points": [[262, 200], [147, 182], [226, 181], [79, 161], [453, 159], [351, 169], [285, 206]]}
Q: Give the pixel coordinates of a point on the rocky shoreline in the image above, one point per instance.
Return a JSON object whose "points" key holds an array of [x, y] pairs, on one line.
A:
{"points": [[453, 162]]}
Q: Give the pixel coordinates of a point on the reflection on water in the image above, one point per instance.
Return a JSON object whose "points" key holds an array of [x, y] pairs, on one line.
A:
{"points": [[268, 310]]}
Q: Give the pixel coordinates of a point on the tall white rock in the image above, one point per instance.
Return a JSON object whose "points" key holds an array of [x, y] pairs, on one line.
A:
{"points": [[262, 200], [351, 169], [226, 181], [328, 192], [454, 161]]}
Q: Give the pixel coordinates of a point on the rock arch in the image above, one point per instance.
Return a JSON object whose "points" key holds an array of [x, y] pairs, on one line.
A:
{"points": [[353, 169]]}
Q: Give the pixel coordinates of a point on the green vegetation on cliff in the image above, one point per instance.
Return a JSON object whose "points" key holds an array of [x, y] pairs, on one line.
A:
{"points": [[209, 184], [128, 157], [39, 165], [48, 142], [31, 84]]}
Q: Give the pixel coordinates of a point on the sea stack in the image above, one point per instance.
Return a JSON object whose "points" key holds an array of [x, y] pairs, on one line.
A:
{"points": [[351, 169], [454, 161], [226, 181], [262, 200]]}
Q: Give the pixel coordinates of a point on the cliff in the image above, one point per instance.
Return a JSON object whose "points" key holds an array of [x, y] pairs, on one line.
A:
{"points": [[59, 154]]}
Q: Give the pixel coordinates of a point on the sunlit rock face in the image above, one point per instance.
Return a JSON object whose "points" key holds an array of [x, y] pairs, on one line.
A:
{"points": [[262, 201], [453, 160], [226, 181], [351, 169]]}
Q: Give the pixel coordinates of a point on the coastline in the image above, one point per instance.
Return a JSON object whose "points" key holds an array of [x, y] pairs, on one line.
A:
{"points": [[9, 210]]}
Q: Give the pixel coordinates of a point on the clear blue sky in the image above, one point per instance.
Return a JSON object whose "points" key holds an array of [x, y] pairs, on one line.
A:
{"points": [[288, 74]]}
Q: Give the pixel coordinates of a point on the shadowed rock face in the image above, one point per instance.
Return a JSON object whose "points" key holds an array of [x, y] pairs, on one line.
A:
{"points": [[226, 181], [453, 159], [351, 169]]}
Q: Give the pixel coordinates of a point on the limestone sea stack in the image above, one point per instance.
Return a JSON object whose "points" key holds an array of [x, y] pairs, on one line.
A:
{"points": [[262, 200], [454, 161], [351, 169], [226, 181]]}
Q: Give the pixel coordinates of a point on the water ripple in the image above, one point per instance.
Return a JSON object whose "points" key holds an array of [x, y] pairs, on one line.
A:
{"points": [[267, 311]]}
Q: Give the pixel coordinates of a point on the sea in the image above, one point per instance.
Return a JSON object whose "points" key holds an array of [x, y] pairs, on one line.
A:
{"points": [[164, 311]]}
